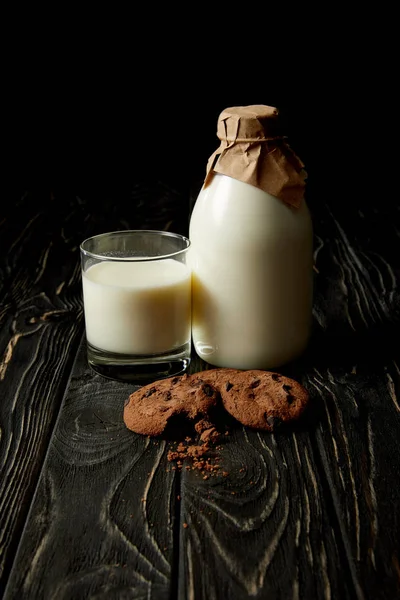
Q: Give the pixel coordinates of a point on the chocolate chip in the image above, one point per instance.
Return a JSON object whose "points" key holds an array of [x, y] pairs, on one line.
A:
{"points": [[228, 386], [208, 390], [168, 395], [275, 377], [290, 398], [175, 380], [255, 383], [150, 392], [273, 422]]}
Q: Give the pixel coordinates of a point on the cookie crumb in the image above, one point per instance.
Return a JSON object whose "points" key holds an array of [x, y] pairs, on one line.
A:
{"points": [[210, 435]]}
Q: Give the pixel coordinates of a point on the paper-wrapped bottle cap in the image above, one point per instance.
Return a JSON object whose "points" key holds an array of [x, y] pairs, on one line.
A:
{"points": [[253, 149]]}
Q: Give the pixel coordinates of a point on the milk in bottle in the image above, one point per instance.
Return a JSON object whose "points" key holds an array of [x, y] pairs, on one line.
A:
{"points": [[252, 250]]}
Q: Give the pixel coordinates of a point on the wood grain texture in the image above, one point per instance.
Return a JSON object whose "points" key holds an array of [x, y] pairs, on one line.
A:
{"points": [[310, 513], [102, 523], [40, 325], [350, 454], [264, 530], [357, 377], [41, 322]]}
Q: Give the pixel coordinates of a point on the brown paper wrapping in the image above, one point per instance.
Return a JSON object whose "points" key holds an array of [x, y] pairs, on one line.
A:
{"points": [[254, 150]]}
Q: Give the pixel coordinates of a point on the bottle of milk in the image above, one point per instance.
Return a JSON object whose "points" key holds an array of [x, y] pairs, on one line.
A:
{"points": [[252, 247]]}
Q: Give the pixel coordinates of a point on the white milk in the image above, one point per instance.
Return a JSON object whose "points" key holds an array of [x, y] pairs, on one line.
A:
{"points": [[137, 307], [251, 257]]}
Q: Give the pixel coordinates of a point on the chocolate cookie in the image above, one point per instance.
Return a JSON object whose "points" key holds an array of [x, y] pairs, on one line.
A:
{"points": [[263, 399], [151, 408]]}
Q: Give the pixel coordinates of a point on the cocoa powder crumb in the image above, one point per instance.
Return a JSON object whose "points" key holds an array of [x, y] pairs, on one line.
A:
{"points": [[201, 455], [172, 455], [210, 434]]}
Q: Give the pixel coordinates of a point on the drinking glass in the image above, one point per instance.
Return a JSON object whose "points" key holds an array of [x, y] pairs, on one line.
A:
{"points": [[137, 304]]}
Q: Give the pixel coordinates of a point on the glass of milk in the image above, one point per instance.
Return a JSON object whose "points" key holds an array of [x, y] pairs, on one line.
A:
{"points": [[137, 304]]}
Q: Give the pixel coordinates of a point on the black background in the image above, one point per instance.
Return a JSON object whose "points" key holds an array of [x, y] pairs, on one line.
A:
{"points": [[99, 103], [80, 134]]}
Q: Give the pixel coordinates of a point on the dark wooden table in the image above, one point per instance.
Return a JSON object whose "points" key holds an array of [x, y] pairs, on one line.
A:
{"points": [[89, 509]]}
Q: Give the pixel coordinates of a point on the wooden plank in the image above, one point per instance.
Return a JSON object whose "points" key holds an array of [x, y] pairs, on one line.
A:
{"points": [[270, 501], [111, 498], [102, 522], [264, 528], [306, 514], [338, 481], [42, 321], [356, 374], [357, 440]]}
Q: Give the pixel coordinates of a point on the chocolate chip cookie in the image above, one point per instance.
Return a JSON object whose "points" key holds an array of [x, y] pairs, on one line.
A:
{"points": [[262, 399], [151, 408]]}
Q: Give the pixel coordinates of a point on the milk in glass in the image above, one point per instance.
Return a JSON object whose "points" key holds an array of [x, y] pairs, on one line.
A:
{"points": [[137, 307]]}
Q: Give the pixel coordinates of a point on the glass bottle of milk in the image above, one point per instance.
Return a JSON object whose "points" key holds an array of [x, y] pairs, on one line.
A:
{"points": [[252, 247]]}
